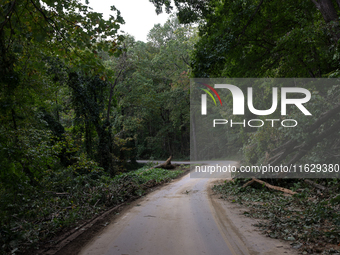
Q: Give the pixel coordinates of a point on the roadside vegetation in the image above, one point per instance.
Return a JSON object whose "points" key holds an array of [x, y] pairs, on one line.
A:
{"points": [[64, 197], [275, 39], [309, 220], [79, 104]]}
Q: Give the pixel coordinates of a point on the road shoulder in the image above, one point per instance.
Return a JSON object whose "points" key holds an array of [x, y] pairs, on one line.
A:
{"points": [[241, 230]]}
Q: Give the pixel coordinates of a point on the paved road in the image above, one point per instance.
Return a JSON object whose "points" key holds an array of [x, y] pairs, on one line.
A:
{"points": [[181, 218], [177, 219]]}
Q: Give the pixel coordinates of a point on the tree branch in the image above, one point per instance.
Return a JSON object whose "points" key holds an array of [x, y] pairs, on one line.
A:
{"points": [[112, 86], [288, 191], [8, 15], [290, 146], [52, 24], [308, 146], [250, 20], [323, 118]]}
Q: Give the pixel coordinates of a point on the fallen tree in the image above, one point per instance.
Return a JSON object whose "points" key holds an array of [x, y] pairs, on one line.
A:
{"points": [[167, 164]]}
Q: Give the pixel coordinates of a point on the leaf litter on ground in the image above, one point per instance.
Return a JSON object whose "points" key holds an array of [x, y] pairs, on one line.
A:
{"points": [[65, 198], [309, 219]]}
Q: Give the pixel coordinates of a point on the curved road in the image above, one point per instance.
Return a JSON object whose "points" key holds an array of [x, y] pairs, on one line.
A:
{"points": [[180, 218]]}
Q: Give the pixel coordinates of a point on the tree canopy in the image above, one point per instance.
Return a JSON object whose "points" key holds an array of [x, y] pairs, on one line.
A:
{"points": [[270, 39], [262, 38], [80, 103]]}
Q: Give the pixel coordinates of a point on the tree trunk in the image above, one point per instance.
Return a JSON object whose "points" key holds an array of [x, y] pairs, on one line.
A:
{"points": [[166, 165], [327, 10], [329, 13], [193, 134]]}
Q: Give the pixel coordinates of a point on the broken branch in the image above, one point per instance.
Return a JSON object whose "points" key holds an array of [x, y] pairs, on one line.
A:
{"points": [[288, 191]]}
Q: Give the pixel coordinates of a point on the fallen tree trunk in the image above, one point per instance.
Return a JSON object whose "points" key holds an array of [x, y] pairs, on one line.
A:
{"points": [[288, 191], [166, 165]]}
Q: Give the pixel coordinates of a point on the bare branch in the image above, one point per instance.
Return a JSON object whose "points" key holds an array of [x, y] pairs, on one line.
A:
{"points": [[288, 191]]}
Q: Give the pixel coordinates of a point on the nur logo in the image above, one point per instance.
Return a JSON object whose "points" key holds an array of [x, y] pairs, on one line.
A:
{"points": [[238, 99], [239, 102], [204, 97]]}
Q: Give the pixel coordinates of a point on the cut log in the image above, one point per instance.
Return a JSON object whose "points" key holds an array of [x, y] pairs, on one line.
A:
{"points": [[166, 165], [288, 191]]}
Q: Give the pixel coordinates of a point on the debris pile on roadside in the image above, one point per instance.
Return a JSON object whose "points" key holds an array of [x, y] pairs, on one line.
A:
{"points": [[309, 219]]}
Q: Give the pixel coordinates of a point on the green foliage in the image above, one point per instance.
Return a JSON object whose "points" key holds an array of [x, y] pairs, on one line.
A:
{"points": [[75, 108], [266, 139], [66, 196], [153, 97], [25, 154], [39, 42], [255, 38]]}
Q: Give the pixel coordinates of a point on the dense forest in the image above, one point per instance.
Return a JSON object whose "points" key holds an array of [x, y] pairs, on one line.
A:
{"points": [[276, 39], [259, 39], [80, 103]]}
